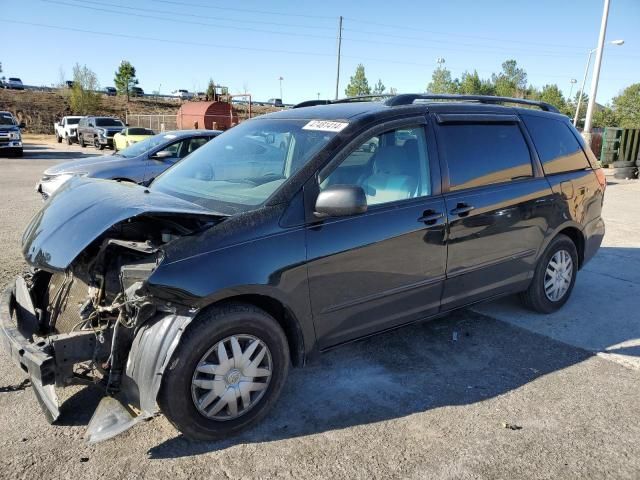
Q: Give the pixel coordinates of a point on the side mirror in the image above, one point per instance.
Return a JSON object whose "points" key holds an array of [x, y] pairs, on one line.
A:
{"points": [[340, 201], [22, 125], [123, 131], [162, 154]]}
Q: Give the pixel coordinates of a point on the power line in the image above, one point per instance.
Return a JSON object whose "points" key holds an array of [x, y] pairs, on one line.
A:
{"points": [[246, 10], [145, 16], [192, 15], [449, 34], [297, 34], [164, 40]]}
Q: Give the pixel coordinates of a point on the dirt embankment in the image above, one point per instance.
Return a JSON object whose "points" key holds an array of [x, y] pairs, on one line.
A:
{"points": [[39, 110]]}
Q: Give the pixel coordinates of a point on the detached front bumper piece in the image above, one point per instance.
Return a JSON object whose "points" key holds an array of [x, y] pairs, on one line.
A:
{"points": [[17, 321]]}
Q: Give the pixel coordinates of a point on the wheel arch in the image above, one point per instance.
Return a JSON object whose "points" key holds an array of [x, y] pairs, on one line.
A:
{"points": [[575, 232], [281, 313], [577, 237]]}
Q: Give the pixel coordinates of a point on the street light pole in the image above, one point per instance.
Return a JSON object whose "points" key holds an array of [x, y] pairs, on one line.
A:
{"points": [[280, 79], [584, 81], [596, 71], [573, 81]]}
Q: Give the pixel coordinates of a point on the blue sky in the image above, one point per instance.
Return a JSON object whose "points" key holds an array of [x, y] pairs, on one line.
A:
{"points": [[251, 43]]}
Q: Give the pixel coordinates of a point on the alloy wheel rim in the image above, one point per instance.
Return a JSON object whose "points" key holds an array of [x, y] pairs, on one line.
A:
{"points": [[231, 377], [558, 276]]}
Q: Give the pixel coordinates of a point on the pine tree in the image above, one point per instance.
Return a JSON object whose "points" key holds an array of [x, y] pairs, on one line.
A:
{"points": [[358, 84], [125, 78]]}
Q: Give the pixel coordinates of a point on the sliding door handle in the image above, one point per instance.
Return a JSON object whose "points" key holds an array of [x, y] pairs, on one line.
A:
{"points": [[430, 217], [462, 210]]}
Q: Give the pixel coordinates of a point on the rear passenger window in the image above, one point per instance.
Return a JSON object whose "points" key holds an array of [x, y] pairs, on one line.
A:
{"points": [[485, 153], [557, 147]]}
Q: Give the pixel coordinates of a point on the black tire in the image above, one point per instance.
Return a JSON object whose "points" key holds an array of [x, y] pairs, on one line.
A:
{"points": [[213, 325], [97, 144], [535, 297], [69, 140], [624, 173], [81, 141], [58, 138], [18, 152], [623, 164]]}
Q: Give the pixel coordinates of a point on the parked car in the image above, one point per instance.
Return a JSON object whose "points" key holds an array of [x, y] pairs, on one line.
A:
{"points": [[98, 131], [182, 94], [141, 162], [137, 92], [69, 83], [276, 102], [110, 91], [67, 129], [235, 263], [10, 135], [13, 83], [130, 135]]}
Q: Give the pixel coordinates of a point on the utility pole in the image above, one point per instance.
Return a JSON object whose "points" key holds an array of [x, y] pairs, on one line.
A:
{"points": [[596, 73], [339, 48]]}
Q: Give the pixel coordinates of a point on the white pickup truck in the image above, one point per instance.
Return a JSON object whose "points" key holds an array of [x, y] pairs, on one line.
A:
{"points": [[67, 129]]}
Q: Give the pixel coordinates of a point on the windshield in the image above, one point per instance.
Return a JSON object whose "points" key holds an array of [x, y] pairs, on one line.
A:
{"points": [[6, 119], [140, 131], [240, 169], [146, 145], [108, 122], [72, 121]]}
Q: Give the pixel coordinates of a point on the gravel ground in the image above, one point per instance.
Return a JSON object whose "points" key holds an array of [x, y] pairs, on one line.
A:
{"points": [[502, 401]]}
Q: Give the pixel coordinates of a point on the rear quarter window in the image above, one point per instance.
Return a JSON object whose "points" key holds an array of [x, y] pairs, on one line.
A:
{"points": [[557, 146], [480, 154]]}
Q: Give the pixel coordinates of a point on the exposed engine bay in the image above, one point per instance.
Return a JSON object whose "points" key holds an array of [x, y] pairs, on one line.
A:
{"points": [[87, 317]]}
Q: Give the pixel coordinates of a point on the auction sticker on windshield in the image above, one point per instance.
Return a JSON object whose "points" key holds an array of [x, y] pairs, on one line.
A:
{"points": [[325, 126]]}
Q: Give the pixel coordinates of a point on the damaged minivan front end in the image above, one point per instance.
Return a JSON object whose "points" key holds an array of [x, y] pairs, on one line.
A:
{"points": [[82, 314]]}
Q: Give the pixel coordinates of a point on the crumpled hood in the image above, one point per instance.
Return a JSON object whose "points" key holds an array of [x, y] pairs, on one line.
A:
{"points": [[84, 165], [83, 209]]}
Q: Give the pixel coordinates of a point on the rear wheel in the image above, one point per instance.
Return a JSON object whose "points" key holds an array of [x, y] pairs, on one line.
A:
{"points": [[58, 138], [227, 372], [554, 277]]}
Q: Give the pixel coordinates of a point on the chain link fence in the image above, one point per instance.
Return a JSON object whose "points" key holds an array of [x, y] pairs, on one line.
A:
{"points": [[157, 123]]}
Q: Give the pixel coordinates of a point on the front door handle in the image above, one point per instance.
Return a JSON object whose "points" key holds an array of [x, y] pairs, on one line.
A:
{"points": [[462, 209], [430, 217]]}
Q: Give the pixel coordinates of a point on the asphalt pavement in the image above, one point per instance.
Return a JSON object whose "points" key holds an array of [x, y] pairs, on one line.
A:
{"points": [[493, 392]]}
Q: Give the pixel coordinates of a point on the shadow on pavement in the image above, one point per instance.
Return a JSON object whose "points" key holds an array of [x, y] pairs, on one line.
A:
{"points": [[48, 152], [397, 374], [602, 314]]}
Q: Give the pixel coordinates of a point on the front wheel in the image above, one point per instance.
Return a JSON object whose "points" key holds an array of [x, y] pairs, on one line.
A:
{"points": [[81, 141], [69, 140], [554, 277], [97, 144], [227, 372]]}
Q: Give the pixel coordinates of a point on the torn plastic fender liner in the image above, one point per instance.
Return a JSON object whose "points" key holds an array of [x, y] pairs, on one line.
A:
{"points": [[149, 356], [83, 209]]}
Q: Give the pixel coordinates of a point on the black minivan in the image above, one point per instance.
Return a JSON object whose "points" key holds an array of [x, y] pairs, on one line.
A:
{"points": [[290, 234]]}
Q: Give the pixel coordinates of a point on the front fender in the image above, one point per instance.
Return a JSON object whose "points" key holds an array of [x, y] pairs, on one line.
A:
{"points": [[149, 356]]}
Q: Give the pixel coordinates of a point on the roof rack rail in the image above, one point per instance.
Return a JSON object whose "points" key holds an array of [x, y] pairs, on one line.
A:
{"points": [[358, 98], [409, 98], [311, 103], [364, 98]]}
